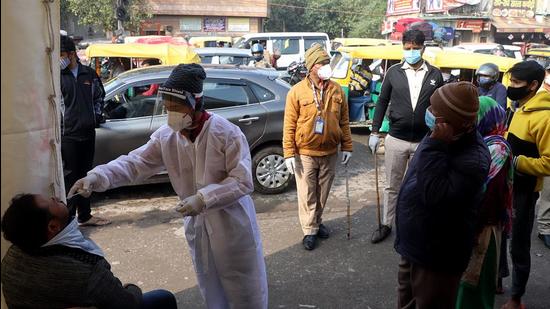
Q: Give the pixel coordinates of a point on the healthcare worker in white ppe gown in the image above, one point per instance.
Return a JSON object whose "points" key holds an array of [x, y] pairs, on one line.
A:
{"points": [[208, 162]]}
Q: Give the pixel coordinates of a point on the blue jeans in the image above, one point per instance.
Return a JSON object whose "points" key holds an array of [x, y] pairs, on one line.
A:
{"points": [[159, 299]]}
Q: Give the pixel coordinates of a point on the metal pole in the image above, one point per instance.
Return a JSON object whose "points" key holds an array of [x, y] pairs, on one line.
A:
{"points": [[348, 201]]}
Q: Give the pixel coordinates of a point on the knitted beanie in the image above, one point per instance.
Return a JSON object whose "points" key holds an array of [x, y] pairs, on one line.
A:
{"points": [[457, 103], [186, 77], [315, 54]]}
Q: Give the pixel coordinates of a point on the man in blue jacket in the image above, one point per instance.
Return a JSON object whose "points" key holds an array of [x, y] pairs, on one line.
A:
{"points": [[438, 201]]}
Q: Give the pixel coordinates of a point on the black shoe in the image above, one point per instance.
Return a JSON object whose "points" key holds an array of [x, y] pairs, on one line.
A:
{"points": [[309, 242], [323, 231], [380, 234]]}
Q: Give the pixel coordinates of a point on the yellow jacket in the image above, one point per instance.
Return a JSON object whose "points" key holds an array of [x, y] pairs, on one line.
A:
{"points": [[300, 117], [529, 136]]}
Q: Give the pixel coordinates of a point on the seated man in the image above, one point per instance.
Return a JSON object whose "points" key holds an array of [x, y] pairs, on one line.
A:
{"points": [[361, 76], [51, 263]]}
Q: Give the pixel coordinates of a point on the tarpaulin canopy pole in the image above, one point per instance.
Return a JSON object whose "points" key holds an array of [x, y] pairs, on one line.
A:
{"points": [[30, 107]]}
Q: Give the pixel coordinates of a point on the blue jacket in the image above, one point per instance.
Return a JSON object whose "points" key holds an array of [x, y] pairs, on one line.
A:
{"points": [[438, 202], [497, 93]]}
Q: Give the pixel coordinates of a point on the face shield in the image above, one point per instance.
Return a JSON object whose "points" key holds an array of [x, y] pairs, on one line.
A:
{"points": [[173, 100]]}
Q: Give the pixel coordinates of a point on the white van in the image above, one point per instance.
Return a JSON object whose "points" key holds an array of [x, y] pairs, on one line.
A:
{"points": [[292, 45]]}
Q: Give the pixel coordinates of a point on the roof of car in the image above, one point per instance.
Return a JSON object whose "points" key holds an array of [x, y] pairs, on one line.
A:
{"points": [[222, 68], [226, 51]]}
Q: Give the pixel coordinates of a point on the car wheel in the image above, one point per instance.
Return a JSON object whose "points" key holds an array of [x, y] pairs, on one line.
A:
{"points": [[271, 176]]}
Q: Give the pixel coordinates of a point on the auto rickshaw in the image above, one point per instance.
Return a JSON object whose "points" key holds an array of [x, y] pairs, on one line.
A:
{"points": [[460, 64], [210, 41], [542, 55], [135, 52], [380, 59], [358, 42]]}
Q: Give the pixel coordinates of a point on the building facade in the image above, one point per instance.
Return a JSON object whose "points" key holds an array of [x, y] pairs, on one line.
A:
{"points": [[212, 17], [474, 21]]}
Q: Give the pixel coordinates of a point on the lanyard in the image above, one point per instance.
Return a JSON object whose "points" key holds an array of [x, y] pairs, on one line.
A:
{"points": [[317, 102]]}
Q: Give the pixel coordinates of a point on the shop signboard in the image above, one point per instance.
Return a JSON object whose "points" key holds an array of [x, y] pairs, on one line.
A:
{"points": [[214, 24], [396, 7], [475, 25], [514, 8]]}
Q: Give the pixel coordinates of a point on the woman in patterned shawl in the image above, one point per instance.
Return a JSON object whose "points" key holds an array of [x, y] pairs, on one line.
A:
{"points": [[479, 282]]}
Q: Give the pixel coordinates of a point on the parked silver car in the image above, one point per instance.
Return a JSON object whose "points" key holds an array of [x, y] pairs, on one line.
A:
{"points": [[251, 98]]}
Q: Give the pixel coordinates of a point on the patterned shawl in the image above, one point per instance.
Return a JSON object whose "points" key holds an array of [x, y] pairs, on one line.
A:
{"points": [[491, 125]]}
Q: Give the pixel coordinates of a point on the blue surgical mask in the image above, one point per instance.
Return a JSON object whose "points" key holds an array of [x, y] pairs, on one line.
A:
{"points": [[484, 80], [412, 56], [429, 118], [64, 63]]}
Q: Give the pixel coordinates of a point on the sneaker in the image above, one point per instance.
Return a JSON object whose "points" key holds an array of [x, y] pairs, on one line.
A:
{"points": [[380, 234], [309, 242], [95, 221], [323, 231]]}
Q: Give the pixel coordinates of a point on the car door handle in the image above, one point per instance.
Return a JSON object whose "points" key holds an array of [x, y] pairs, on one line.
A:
{"points": [[249, 119]]}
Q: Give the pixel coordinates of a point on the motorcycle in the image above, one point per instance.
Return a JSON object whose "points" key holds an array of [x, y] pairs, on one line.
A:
{"points": [[297, 71]]}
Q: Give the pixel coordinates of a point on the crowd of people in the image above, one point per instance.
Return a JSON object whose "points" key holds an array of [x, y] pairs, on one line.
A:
{"points": [[463, 173]]}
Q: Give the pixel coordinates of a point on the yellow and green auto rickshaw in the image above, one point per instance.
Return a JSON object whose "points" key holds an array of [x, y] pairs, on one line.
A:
{"points": [[210, 41], [379, 59], [166, 53], [358, 42], [461, 65]]}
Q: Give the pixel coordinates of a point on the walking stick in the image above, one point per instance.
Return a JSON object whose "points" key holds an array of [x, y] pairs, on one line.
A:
{"points": [[377, 189], [348, 201]]}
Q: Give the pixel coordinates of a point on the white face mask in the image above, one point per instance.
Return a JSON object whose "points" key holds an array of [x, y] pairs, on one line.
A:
{"points": [[547, 80], [179, 121], [325, 72]]}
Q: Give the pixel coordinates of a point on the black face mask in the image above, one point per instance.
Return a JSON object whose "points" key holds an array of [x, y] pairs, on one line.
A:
{"points": [[517, 93]]}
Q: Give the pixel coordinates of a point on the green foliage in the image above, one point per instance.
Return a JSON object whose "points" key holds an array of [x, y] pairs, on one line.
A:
{"points": [[357, 18], [102, 12]]}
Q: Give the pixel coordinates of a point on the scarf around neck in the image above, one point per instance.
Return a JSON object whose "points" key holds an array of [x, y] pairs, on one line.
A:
{"points": [[71, 237]]}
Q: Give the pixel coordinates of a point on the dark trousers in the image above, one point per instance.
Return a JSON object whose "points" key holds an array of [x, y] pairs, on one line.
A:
{"points": [[421, 288], [78, 158], [159, 299], [522, 226]]}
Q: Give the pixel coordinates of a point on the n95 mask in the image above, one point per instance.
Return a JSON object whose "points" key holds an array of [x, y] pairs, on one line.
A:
{"points": [[325, 72], [179, 121]]}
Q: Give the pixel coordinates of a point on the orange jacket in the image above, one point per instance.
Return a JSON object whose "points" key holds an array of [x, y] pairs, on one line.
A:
{"points": [[300, 117]]}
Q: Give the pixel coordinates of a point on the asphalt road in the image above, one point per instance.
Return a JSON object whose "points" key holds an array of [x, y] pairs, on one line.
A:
{"points": [[146, 245]]}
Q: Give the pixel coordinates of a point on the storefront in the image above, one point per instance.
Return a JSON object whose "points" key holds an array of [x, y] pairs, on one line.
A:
{"points": [[515, 21], [216, 17]]}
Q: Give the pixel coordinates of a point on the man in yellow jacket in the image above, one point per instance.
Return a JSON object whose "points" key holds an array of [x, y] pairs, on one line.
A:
{"points": [[529, 137], [316, 122]]}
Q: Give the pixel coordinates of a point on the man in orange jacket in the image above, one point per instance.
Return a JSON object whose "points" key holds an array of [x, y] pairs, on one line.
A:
{"points": [[316, 122]]}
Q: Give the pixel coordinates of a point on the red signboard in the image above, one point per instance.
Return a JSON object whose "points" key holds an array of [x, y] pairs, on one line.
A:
{"points": [[475, 25]]}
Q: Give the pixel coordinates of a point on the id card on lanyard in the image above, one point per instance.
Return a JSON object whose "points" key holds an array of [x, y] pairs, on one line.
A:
{"points": [[319, 122]]}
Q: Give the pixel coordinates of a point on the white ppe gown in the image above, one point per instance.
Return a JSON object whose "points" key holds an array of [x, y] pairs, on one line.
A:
{"points": [[224, 240]]}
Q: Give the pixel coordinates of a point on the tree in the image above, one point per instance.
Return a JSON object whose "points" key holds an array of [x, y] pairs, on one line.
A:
{"points": [[102, 12], [352, 17]]}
